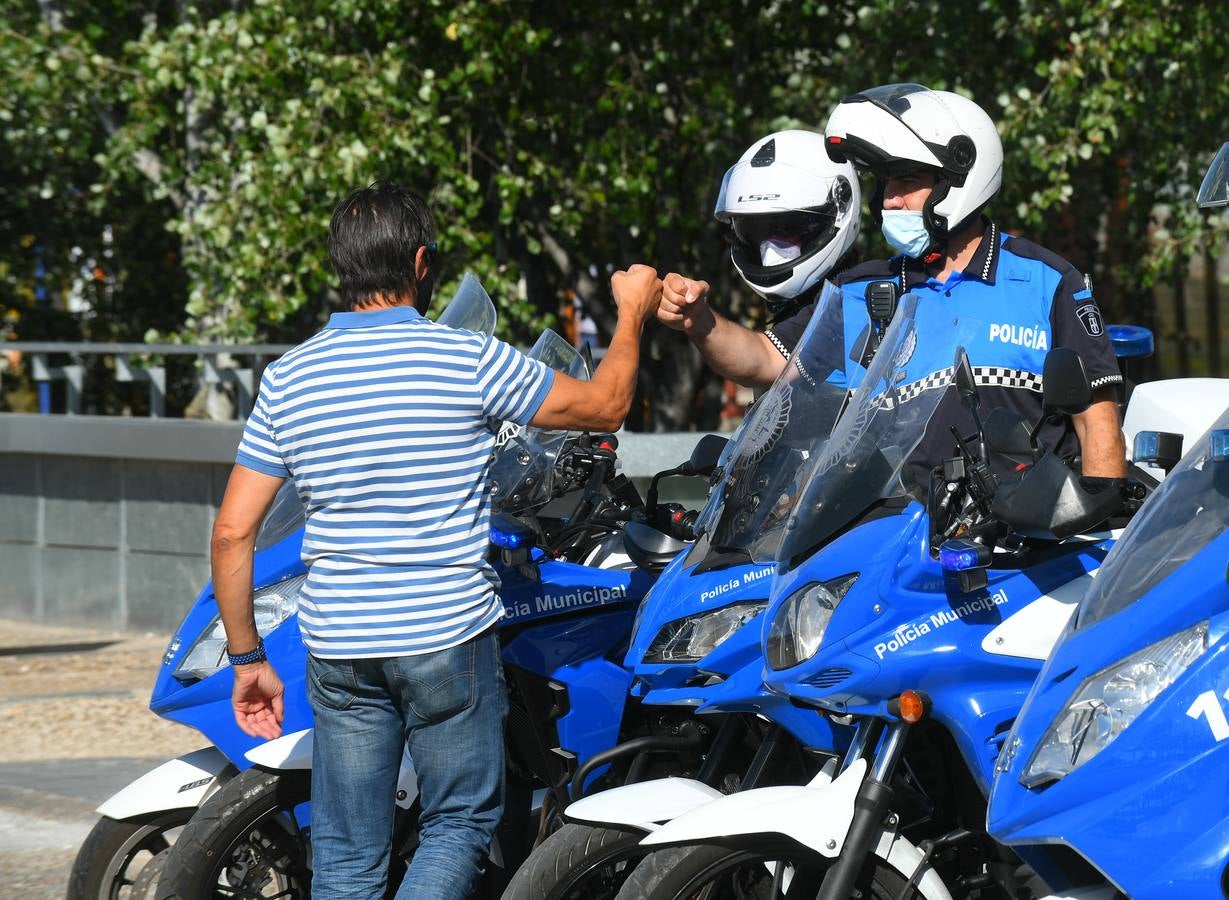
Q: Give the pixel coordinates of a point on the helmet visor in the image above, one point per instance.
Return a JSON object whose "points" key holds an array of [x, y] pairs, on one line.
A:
{"points": [[803, 228]]}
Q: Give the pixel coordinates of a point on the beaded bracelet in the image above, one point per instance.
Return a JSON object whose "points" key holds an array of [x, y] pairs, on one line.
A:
{"points": [[252, 656]]}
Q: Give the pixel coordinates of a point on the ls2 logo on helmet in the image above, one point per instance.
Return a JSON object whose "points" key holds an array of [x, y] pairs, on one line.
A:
{"points": [[1090, 318], [756, 198]]}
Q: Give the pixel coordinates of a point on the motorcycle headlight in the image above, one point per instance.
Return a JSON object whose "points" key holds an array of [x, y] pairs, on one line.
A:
{"points": [[272, 605], [798, 628], [1108, 702], [692, 638]]}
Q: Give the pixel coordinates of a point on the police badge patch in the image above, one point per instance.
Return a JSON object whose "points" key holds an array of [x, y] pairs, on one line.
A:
{"points": [[1090, 317]]}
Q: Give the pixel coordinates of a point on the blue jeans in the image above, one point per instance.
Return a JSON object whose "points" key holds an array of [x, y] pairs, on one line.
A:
{"points": [[449, 707]]}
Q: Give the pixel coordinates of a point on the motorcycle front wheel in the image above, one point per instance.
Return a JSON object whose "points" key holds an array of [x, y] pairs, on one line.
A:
{"points": [[117, 851], [578, 862], [721, 873], [244, 842]]}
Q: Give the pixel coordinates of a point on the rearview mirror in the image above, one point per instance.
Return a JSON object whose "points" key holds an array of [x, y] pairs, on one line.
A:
{"points": [[705, 456], [966, 385], [1064, 382]]}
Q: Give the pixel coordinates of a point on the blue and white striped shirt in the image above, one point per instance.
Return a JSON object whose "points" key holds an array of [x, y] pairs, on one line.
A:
{"points": [[386, 422]]}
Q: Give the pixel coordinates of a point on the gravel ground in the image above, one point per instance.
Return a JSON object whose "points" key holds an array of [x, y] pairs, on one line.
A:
{"points": [[74, 727], [84, 702]]}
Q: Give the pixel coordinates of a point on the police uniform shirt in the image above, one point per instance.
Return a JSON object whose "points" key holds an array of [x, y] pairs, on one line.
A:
{"points": [[1025, 300]]}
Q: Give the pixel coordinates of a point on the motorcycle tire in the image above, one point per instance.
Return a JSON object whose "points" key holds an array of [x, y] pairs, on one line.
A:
{"points": [[723, 873], [116, 851], [243, 841], [578, 862]]}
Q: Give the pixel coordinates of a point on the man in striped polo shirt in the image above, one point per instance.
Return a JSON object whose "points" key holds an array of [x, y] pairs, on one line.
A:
{"points": [[386, 422]]}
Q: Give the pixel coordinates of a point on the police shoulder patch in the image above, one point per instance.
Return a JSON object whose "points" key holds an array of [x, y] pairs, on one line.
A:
{"points": [[1090, 317]]}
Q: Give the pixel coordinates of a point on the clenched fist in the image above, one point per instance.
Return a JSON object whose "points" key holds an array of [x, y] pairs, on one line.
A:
{"points": [[684, 305], [637, 291]]}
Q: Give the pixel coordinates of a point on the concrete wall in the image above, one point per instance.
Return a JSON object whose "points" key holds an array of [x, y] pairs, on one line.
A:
{"points": [[109, 542], [106, 522]]}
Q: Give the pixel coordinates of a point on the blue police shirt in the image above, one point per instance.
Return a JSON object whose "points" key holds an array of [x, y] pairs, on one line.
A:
{"points": [[1025, 300]]}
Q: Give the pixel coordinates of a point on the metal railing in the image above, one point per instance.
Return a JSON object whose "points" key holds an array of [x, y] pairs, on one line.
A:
{"points": [[73, 373]]}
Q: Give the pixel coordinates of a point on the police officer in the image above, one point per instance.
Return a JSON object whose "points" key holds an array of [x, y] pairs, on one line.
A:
{"points": [[937, 162]]}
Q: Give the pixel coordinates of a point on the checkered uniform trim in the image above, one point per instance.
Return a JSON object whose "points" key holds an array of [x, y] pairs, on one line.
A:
{"points": [[940, 379], [776, 342], [1106, 379], [802, 371], [989, 376], [996, 376]]}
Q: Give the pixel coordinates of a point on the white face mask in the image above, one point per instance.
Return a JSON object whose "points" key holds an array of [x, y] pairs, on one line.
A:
{"points": [[773, 252]]}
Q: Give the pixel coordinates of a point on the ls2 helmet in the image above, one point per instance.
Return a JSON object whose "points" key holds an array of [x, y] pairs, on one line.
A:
{"points": [[792, 211], [900, 129]]}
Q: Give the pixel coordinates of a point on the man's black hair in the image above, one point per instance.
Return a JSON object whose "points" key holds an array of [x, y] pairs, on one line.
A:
{"points": [[374, 236]]}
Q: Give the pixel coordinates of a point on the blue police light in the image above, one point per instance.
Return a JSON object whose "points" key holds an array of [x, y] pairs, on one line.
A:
{"points": [[1131, 341], [959, 555], [506, 540], [1220, 445]]}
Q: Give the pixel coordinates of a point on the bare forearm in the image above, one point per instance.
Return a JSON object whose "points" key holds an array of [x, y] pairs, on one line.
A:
{"points": [[1102, 448], [232, 587], [614, 382], [744, 356]]}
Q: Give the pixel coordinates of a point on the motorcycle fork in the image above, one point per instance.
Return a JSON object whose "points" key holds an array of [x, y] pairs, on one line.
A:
{"points": [[871, 807], [732, 730]]}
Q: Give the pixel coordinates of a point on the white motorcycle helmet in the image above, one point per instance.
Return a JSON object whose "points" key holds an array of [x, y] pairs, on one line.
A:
{"points": [[897, 129], [792, 212]]}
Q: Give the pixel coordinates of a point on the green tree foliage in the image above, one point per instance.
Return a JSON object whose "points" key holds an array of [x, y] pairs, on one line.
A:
{"points": [[557, 140]]}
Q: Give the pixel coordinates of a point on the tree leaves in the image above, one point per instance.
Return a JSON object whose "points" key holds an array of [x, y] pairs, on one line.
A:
{"points": [[557, 144]]}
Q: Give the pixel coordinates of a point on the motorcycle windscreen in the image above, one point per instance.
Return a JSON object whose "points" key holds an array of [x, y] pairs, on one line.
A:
{"points": [[887, 415], [523, 466], [1214, 191], [470, 308], [1188, 510], [769, 456]]}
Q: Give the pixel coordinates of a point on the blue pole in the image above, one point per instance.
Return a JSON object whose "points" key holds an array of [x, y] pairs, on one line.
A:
{"points": [[40, 297]]}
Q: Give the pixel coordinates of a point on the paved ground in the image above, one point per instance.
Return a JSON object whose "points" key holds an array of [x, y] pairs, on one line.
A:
{"points": [[74, 728]]}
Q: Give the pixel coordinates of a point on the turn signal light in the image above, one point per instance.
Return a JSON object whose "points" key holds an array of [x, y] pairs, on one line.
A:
{"points": [[910, 706]]}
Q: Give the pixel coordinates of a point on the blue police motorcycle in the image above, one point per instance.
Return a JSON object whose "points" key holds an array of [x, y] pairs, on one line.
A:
{"points": [[1120, 752], [569, 597], [922, 619]]}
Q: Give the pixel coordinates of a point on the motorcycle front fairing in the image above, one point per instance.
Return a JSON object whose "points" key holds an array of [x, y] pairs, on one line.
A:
{"points": [[205, 703], [1137, 789], [723, 581], [862, 609], [905, 624]]}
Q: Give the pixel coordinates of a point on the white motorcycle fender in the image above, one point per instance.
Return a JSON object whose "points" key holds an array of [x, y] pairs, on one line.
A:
{"points": [[290, 751], [642, 806], [816, 815], [181, 783], [294, 751]]}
